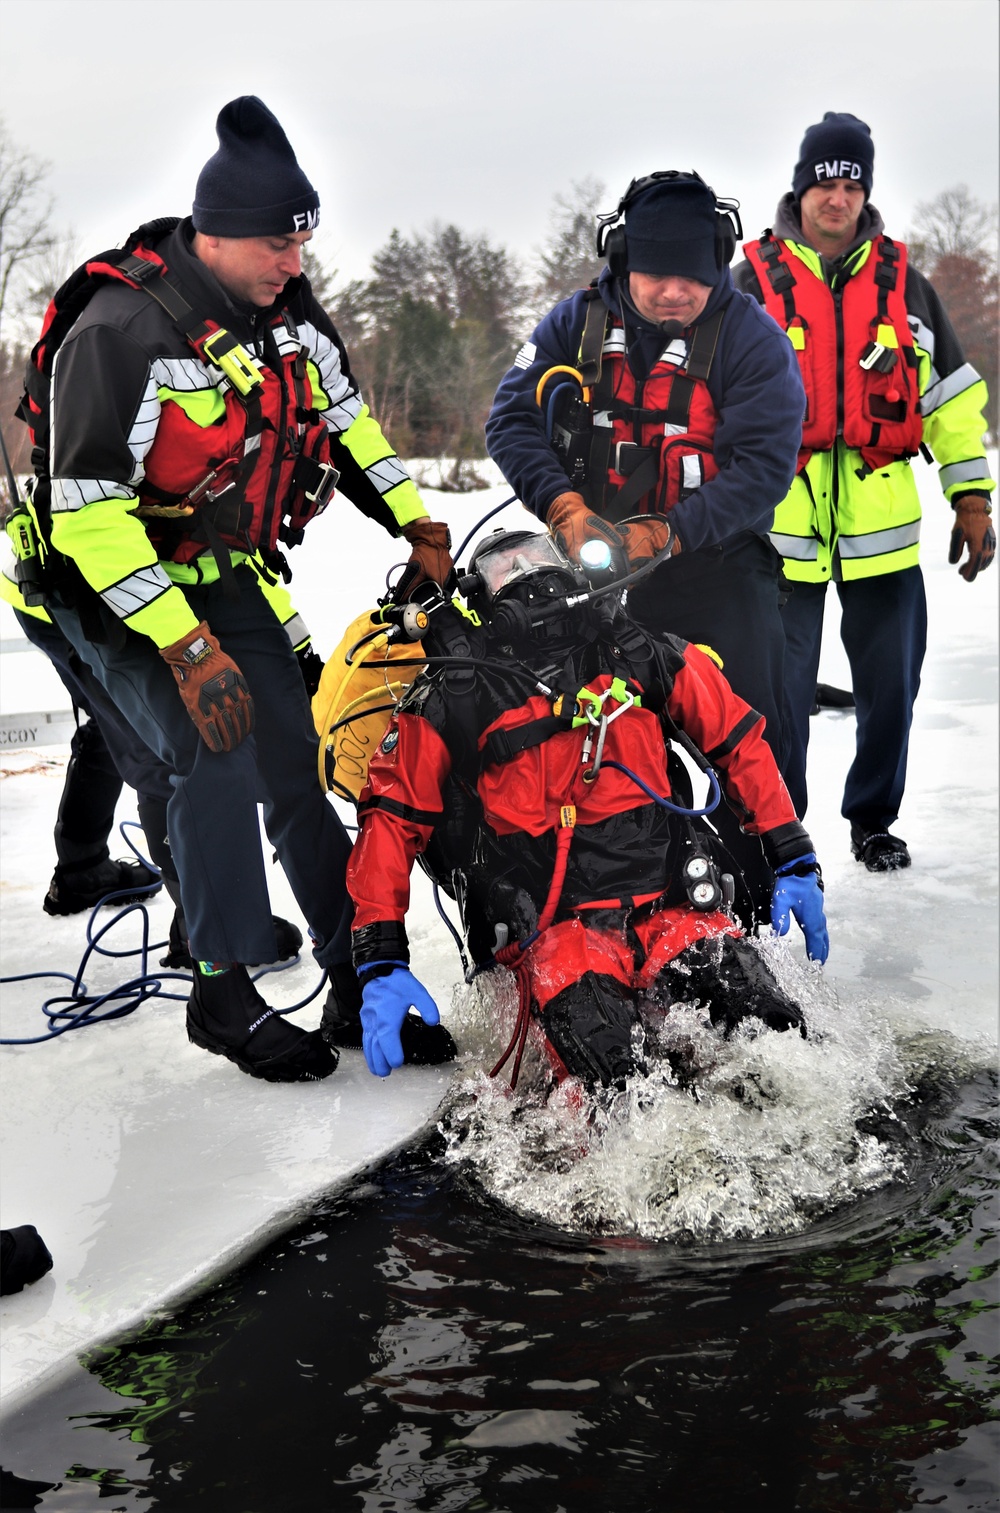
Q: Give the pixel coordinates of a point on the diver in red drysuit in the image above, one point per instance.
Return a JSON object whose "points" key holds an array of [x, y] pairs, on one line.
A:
{"points": [[523, 769]]}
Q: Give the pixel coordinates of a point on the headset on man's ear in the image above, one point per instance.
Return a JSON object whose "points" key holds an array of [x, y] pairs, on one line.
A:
{"points": [[611, 243]]}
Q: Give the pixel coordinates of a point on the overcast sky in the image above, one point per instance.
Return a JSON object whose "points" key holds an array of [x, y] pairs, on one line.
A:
{"points": [[479, 111]]}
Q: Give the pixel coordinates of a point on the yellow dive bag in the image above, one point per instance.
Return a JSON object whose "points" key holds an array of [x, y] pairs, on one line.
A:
{"points": [[357, 694]]}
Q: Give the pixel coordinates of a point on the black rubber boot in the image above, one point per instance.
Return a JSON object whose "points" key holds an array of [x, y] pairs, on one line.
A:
{"points": [[878, 850], [288, 940], [24, 1257], [734, 982], [423, 1044], [592, 1024], [74, 889], [227, 1016]]}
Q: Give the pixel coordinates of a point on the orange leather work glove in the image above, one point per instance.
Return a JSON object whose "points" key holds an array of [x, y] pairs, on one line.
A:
{"points": [[631, 542], [573, 523], [972, 529], [430, 556], [214, 690], [646, 536]]}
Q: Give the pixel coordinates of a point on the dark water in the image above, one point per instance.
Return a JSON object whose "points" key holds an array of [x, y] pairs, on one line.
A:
{"points": [[416, 1346]]}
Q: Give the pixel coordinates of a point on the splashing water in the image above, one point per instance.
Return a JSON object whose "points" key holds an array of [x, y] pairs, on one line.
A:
{"points": [[731, 1139]]}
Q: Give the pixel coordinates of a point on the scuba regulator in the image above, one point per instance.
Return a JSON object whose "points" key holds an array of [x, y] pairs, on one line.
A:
{"points": [[568, 421]]}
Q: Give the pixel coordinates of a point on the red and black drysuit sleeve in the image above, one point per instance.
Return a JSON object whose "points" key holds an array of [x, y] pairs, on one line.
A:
{"points": [[400, 805]]}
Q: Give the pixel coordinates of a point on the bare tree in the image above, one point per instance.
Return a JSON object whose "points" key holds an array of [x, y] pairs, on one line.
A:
{"points": [[953, 224], [954, 243], [568, 259], [25, 218]]}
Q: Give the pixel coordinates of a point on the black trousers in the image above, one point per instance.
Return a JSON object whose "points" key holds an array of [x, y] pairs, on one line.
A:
{"points": [[105, 753], [728, 597], [212, 811], [883, 626]]}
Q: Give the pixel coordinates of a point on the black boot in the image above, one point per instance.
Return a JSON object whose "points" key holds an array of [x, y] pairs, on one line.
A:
{"points": [[593, 1026], [226, 1015], [24, 1257], [288, 940], [733, 981], [74, 889], [880, 851], [423, 1044]]}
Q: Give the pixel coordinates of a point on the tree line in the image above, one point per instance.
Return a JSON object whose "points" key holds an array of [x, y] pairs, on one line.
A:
{"points": [[438, 321]]}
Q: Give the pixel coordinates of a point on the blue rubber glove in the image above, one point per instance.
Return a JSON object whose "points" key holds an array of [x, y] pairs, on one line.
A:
{"points": [[385, 1003], [798, 891]]}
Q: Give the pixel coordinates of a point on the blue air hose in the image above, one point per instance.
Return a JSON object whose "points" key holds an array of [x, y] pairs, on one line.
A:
{"points": [[79, 1009]]}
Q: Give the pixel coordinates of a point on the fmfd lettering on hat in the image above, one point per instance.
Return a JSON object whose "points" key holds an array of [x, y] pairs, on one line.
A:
{"points": [[841, 170]]}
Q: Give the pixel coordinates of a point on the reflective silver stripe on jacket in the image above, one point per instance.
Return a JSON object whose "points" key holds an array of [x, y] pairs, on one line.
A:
{"points": [[74, 493], [798, 548], [136, 591], [972, 471], [939, 393], [386, 473], [345, 401], [297, 631], [880, 543]]}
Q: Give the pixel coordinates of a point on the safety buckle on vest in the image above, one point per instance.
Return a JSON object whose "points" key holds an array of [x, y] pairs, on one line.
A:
{"points": [[629, 457], [878, 359], [317, 480], [225, 353], [142, 270]]}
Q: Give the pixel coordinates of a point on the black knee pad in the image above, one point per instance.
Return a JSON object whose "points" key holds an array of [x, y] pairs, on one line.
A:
{"points": [[729, 977], [592, 1026]]}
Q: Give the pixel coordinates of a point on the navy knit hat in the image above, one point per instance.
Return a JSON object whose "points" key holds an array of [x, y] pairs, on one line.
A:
{"points": [[253, 185], [839, 147], [670, 228]]}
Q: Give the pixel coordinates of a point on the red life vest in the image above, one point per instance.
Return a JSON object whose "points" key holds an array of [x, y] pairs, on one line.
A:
{"points": [[855, 350], [652, 438], [254, 476]]}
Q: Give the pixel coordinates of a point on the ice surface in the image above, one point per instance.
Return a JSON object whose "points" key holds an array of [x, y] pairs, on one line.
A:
{"points": [[150, 1167]]}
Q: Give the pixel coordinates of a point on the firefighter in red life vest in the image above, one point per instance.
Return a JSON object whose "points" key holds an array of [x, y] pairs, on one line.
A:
{"points": [[525, 770], [885, 378], [662, 401], [202, 407]]}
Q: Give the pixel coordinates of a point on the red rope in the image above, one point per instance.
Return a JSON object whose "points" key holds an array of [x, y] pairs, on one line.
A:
{"points": [[515, 956]]}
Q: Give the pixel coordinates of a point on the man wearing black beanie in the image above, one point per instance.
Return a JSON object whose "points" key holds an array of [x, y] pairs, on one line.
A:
{"points": [[677, 439], [202, 409], [885, 378]]}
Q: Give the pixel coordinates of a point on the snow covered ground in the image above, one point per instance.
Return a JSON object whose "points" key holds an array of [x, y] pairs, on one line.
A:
{"points": [[150, 1167]]}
